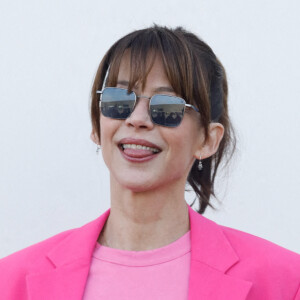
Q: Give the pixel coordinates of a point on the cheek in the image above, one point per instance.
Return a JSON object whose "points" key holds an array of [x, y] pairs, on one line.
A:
{"points": [[107, 132], [180, 148], [108, 136], [107, 129], [185, 141]]}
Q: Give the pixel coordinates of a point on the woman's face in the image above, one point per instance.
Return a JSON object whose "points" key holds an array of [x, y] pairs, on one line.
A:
{"points": [[172, 151]]}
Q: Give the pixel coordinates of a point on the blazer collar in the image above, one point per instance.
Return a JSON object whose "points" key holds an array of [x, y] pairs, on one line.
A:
{"points": [[211, 256], [66, 276]]}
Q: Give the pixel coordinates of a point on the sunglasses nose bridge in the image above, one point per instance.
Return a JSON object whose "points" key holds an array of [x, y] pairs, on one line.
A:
{"points": [[142, 96], [140, 116], [137, 97]]}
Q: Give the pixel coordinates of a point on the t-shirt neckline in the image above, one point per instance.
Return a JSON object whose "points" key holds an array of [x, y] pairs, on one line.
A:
{"points": [[160, 255]]}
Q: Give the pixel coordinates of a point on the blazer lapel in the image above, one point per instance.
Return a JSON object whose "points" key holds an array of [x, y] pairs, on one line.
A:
{"points": [[69, 265], [211, 256]]}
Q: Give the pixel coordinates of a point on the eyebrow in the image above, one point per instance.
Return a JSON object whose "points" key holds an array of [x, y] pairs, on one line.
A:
{"points": [[160, 89]]}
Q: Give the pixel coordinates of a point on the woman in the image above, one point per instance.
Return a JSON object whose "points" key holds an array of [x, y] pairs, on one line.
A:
{"points": [[163, 121]]}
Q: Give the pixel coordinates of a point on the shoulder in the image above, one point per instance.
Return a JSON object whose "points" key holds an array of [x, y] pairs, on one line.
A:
{"points": [[61, 249], [76, 237], [271, 271], [28, 254], [15, 267], [269, 266], [249, 245]]}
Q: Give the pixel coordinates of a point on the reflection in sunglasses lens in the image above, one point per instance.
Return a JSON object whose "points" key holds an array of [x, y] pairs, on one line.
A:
{"points": [[117, 103], [165, 110]]}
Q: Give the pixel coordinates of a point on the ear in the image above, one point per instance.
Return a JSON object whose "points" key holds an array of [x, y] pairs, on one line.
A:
{"points": [[215, 135], [94, 137]]}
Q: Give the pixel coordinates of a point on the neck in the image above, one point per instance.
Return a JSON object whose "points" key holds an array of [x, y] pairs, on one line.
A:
{"points": [[145, 220]]}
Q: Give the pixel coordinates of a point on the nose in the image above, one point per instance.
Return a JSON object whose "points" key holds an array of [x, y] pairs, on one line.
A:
{"points": [[140, 117]]}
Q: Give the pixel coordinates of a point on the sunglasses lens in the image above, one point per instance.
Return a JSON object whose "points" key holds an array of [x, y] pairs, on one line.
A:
{"points": [[167, 110], [117, 103]]}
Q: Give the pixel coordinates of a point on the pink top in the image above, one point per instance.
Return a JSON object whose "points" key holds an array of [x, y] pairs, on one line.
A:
{"points": [[161, 273]]}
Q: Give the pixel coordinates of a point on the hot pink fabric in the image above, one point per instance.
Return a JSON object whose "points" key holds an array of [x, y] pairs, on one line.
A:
{"points": [[225, 264], [161, 273]]}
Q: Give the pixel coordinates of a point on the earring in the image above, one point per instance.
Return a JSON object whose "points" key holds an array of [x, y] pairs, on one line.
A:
{"points": [[200, 165], [98, 148]]}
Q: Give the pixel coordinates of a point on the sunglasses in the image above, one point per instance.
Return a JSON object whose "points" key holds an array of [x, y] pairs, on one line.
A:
{"points": [[165, 110]]}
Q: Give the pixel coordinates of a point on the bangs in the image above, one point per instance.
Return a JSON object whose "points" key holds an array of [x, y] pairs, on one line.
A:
{"points": [[140, 66], [142, 48]]}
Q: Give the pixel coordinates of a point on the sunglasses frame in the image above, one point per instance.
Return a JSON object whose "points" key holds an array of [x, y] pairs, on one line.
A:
{"points": [[149, 98]]}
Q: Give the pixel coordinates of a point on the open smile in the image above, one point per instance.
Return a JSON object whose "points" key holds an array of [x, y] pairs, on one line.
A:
{"points": [[136, 150]]}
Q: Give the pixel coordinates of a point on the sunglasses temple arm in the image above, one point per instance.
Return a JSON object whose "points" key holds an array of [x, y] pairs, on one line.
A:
{"points": [[105, 78], [193, 107], [99, 92]]}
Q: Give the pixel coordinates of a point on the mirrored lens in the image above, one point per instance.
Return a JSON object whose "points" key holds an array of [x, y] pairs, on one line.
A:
{"points": [[117, 103], [167, 110]]}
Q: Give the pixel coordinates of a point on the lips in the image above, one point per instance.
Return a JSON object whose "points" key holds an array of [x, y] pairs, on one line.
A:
{"points": [[138, 150]]}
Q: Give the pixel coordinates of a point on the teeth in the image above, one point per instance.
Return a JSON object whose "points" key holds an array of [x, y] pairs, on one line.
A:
{"points": [[133, 146]]}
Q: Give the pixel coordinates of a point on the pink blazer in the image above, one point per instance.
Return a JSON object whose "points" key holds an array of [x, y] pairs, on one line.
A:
{"points": [[226, 264]]}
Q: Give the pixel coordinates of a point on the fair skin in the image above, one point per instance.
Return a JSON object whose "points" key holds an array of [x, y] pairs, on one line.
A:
{"points": [[148, 209]]}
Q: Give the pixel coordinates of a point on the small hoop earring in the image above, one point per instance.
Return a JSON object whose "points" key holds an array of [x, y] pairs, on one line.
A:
{"points": [[200, 165], [98, 149]]}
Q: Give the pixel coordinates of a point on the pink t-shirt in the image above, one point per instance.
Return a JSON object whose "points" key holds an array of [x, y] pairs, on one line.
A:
{"points": [[161, 273]]}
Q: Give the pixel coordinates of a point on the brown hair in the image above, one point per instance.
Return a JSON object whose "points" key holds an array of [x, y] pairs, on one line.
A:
{"points": [[194, 72]]}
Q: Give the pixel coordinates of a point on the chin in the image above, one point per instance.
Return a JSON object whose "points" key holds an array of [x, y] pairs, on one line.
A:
{"points": [[136, 187]]}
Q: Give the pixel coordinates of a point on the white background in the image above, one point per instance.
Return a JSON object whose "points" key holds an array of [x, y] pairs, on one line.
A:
{"points": [[50, 177]]}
